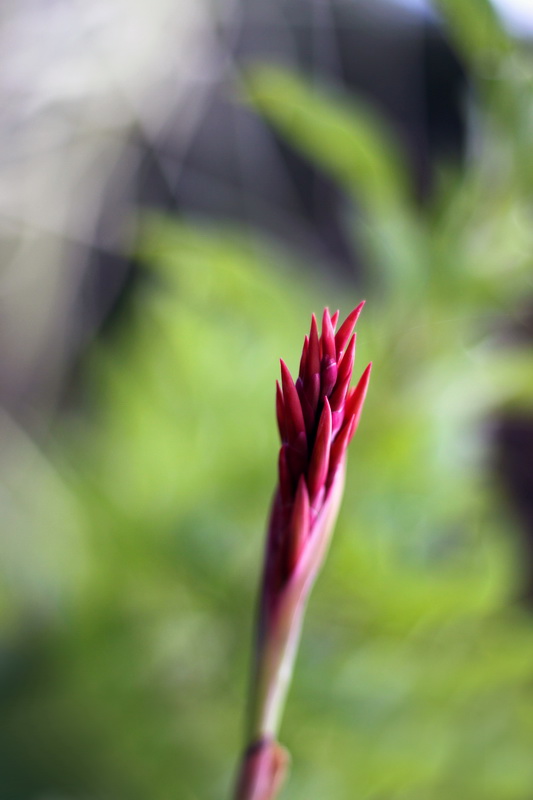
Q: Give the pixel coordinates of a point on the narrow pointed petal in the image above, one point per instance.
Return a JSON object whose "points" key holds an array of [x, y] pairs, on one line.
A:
{"points": [[299, 523], [335, 319], [328, 337], [294, 419], [354, 405], [312, 392], [318, 468], [346, 329], [338, 448], [343, 376], [312, 372], [328, 375], [280, 413], [285, 479], [307, 409], [297, 456], [303, 359], [313, 357], [337, 420]]}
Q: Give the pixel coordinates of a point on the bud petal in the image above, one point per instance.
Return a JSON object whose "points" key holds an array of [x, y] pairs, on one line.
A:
{"points": [[346, 329], [303, 359], [285, 480], [294, 419], [354, 405], [297, 456], [299, 523], [338, 448], [343, 377], [328, 337], [280, 413], [328, 375], [307, 409], [318, 468], [313, 358]]}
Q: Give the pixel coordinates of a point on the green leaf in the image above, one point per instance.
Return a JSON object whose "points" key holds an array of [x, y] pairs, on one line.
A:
{"points": [[342, 135]]}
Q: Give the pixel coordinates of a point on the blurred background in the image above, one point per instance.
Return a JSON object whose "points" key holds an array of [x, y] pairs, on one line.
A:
{"points": [[181, 184]]}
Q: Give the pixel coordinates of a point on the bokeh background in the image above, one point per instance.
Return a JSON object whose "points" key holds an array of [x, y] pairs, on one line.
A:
{"points": [[181, 184]]}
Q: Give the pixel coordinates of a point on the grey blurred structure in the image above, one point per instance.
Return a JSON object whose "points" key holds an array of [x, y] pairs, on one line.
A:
{"points": [[75, 79], [111, 107]]}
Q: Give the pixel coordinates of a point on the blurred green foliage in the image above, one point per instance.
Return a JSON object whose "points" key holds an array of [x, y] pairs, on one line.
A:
{"points": [[133, 539]]}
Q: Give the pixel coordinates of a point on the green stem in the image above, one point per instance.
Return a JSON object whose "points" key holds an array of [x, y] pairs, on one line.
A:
{"points": [[274, 672]]}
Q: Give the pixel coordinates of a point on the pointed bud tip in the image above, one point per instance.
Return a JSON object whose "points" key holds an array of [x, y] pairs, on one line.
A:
{"points": [[285, 371], [346, 329]]}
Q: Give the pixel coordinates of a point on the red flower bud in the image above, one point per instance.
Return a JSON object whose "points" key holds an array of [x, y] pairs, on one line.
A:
{"points": [[317, 417]]}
